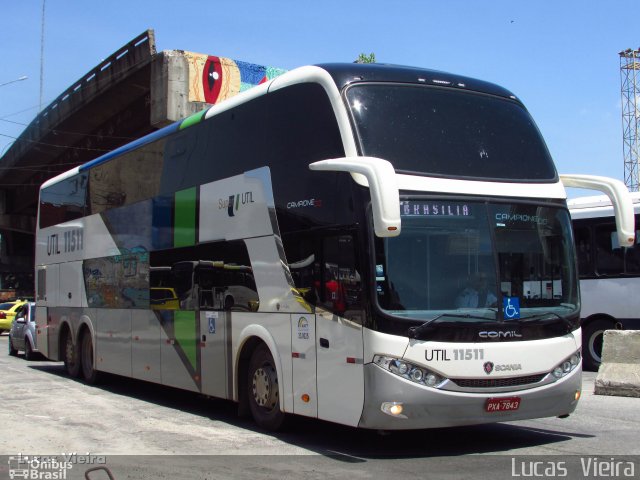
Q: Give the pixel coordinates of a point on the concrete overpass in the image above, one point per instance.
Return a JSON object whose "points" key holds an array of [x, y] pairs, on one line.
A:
{"points": [[131, 93]]}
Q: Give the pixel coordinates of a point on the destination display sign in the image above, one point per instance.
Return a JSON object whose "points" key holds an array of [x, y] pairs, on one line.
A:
{"points": [[422, 208]]}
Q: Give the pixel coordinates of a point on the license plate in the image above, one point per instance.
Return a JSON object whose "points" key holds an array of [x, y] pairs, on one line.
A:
{"points": [[502, 404]]}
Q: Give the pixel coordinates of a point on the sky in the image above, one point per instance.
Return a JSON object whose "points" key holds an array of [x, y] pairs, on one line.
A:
{"points": [[559, 57]]}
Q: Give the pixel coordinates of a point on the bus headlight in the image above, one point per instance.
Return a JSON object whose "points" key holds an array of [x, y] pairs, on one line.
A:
{"points": [[432, 380], [408, 370], [566, 366]]}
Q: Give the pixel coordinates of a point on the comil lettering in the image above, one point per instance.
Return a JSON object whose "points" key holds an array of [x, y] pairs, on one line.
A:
{"points": [[495, 334]]}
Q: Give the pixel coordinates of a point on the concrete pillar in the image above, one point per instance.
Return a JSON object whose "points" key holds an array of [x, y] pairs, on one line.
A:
{"points": [[170, 89]]}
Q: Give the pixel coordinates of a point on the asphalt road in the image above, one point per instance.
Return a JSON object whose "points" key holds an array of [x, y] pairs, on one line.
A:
{"points": [[143, 430]]}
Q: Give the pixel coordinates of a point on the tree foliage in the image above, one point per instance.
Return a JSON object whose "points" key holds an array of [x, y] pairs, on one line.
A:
{"points": [[364, 58]]}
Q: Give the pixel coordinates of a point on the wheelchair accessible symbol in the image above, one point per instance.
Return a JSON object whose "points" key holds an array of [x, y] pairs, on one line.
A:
{"points": [[511, 307]]}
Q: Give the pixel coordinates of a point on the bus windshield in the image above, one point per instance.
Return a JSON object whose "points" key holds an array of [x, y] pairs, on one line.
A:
{"points": [[448, 132], [477, 261]]}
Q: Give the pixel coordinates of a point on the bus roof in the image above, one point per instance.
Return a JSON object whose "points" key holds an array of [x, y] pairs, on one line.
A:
{"points": [[597, 206], [597, 201], [342, 74]]}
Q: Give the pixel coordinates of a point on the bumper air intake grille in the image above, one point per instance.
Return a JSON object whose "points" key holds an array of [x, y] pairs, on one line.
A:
{"points": [[497, 382]]}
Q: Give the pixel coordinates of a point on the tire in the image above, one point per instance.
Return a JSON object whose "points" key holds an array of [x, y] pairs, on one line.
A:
{"points": [[262, 390], [71, 360], [89, 373], [12, 351], [228, 303], [28, 351], [592, 335]]}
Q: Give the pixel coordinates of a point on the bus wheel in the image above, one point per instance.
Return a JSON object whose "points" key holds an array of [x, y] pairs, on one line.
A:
{"points": [[592, 336], [264, 401], [228, 303], [71, 360], [89, 373]]}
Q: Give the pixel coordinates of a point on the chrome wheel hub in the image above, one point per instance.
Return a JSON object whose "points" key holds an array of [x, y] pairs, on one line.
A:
{"points": [[265, 387]]}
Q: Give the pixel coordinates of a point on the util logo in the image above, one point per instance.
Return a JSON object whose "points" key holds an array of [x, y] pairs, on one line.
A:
{"points": [[237, 200]]}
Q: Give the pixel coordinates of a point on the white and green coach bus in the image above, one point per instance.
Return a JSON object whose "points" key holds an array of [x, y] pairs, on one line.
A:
{"points": [[303, 248]]}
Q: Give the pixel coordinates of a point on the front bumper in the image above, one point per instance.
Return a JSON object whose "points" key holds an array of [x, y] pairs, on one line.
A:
{"points": [[427, 407]]}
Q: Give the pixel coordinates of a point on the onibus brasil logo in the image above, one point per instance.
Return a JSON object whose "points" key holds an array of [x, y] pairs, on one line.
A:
{"points": [[50, 467]]}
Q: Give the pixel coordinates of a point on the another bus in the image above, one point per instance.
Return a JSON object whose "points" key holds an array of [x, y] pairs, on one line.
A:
{"points": [[609, 274], [355, 203]]}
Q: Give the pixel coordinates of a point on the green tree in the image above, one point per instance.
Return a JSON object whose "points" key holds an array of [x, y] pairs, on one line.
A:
{"points": [[364, 58]]}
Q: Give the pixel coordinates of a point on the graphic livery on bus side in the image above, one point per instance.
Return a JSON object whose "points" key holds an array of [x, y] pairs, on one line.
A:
{"points": [[381, 247], [609, 274]]}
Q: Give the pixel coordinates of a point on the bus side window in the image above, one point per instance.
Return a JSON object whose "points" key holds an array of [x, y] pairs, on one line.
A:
{"points": [[303, 259], [210, 276], [341, 287], [632, 255], [225, 277], [64, 201], [610, 260], [325, 273], [583, 251]]}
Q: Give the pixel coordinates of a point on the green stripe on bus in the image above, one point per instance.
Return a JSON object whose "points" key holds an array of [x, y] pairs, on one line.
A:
{"points": [[184, 223], [192, 120], [184, 325]]}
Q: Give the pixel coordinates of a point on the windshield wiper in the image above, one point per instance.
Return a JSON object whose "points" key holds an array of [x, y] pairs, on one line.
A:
{"points": [[416, 332], [568, 322]]}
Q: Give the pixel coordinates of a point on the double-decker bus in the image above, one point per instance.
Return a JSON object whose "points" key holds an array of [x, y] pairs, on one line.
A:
{"points": [[400, 237], [609, 273]]}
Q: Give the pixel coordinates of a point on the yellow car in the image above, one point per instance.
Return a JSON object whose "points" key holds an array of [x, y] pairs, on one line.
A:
{"points": [[164, 298], [8, 313]]}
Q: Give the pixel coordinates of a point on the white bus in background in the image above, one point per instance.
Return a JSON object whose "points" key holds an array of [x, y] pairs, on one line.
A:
{"points": [[609, 274], [353, 204]]}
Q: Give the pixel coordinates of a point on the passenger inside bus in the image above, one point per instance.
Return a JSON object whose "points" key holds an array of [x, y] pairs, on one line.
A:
{"points": [[476, 294]]}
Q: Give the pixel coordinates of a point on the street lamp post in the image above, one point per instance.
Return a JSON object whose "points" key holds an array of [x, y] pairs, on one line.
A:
{"points": [[24, 77]]}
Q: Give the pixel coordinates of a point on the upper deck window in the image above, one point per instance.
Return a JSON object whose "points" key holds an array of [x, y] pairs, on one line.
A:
{"points": [[449, 133], [63, 201]]}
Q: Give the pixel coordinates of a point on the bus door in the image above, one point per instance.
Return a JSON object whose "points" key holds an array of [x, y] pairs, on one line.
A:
{"points": [[339, 344], [214, 353], [340, 370], [71, 285], [327, 345]]}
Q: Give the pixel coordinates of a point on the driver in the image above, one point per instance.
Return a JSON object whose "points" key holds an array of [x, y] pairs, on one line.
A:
{"points": [[477, 294]]}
